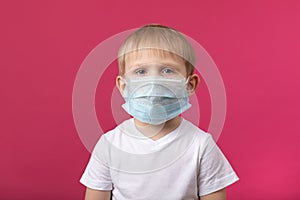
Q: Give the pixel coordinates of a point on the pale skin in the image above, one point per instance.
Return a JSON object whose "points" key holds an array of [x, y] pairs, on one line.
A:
{"points": [[132, 69]]}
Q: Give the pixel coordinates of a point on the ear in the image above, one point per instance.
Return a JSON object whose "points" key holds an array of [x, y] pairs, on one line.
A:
{"points": [[120, 83], [192, 84]]}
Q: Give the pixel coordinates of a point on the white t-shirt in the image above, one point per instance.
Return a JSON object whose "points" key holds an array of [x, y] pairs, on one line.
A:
{"points": [[182, 165]]}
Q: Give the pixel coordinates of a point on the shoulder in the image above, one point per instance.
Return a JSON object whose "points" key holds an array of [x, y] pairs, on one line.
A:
{"points": [[202, 140], [112, 136], [199, 134], [118, 131]]}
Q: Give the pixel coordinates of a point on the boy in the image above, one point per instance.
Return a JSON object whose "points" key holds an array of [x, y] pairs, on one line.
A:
{"points": [[157, 155]]}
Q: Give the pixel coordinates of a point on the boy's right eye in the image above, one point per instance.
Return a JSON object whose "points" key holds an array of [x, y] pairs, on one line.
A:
{"points": [[140, 71]]}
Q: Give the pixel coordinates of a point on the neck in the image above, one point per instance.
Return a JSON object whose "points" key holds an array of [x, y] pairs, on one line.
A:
{"points": [[156, 132]]}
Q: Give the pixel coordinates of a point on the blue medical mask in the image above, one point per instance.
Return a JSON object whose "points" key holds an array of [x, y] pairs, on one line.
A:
{"points": [[155, 100]]}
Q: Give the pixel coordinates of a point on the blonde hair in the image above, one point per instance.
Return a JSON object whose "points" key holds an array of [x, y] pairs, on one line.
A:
{"points": [[163, 40]]}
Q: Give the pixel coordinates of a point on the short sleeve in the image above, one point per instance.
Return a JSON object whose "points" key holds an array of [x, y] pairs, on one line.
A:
{"points": [[215, 171], [97, 174]]}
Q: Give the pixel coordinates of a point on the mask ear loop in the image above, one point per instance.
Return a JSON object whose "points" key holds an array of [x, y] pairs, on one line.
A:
{"points": [[124, 80], [186, 83], [187, 80]]}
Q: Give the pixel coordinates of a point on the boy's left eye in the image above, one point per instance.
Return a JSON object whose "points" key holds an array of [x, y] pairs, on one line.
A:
{"points": [[168, 71]]}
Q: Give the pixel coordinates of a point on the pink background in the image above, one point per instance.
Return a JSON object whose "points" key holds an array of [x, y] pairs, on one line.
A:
{"points": [[255, 45]]}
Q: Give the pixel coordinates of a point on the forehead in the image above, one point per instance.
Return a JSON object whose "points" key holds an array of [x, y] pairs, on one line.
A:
{"points": [[147, 56]]}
